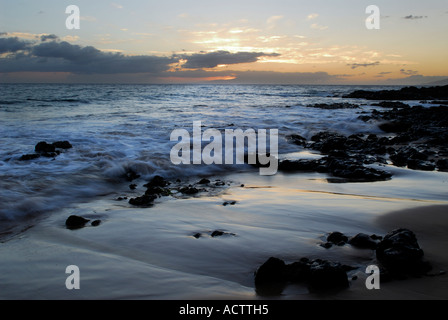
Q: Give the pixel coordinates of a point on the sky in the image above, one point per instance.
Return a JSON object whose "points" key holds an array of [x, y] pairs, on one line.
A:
{"points": [[232, 41]]}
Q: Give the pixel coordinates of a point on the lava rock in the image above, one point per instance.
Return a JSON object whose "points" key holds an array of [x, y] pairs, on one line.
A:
{"points": [[156, 181], [189, 190], [318, 274], [144, 200], [421, 165], [326, 275], [204, 181], [394, 126], [62, 145], [297, 139], [337, 238], [75, 222], [400, 253], [363, 241], [27, 157], [44, 147], [95, 223]]}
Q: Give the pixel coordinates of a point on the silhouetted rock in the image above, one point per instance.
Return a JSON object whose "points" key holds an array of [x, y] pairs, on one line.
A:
{"points": [[337, 238], [318, 274], [95, 223], [144, 200], [333, 106], [156, 181], [62, 145], [407, 93], [189, 190], [27, 157], [401, 254], [363, 241], [75, 222], [44, 147]]}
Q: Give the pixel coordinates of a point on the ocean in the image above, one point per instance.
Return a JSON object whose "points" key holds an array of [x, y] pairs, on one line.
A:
{"points": [[117, 129]]}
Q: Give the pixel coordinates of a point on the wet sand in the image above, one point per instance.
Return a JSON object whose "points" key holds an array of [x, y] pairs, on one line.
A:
{"points": [[151, 253]]}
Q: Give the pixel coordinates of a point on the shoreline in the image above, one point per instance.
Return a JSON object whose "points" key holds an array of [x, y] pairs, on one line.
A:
{"points": [[152, 253]]}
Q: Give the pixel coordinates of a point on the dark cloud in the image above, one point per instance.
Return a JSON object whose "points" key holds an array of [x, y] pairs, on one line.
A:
{"points": [[409, 72], [65, 57], [49, 37], [61, 56], [357, 65], [213, 59], [412, 17], [12, 45]]}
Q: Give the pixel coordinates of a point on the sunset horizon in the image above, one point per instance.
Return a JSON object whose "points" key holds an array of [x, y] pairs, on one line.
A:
{"points": [[289, 42]]}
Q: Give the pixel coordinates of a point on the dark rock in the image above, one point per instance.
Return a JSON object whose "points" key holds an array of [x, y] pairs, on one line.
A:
{"points": [[158, 191], [392, 104], [225, 203], [363, 241], [442, 164], [75, 222], [197, 235], [395, 126], [297, 139], [407, 93], [337, 237], [326, 245], [204, 181], [333, 106], [273, 270], [189, 190], [421, 165], [156, 181], [400, 253], [217, 233], [62, 145], [376, 237], [27, 157], [320, 275], [144, 200], [44, 147], [325, 275], [95, 223]]}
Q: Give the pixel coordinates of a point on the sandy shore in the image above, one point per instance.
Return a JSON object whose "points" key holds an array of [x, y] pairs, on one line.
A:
{"points": [[151, 253]]}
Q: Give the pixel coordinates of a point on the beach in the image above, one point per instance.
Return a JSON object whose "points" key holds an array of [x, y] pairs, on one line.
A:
{"points": [[152, 253], [154, 230]]}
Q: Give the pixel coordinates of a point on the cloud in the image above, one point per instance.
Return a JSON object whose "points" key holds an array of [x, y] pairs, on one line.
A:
{"points": [[12, 45], [65, 57], [46, 37], [312, 16], [411, 17], [409, 72], [62, 56], [117, 5], [357, 65], [213, 59], [318, 27]]}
